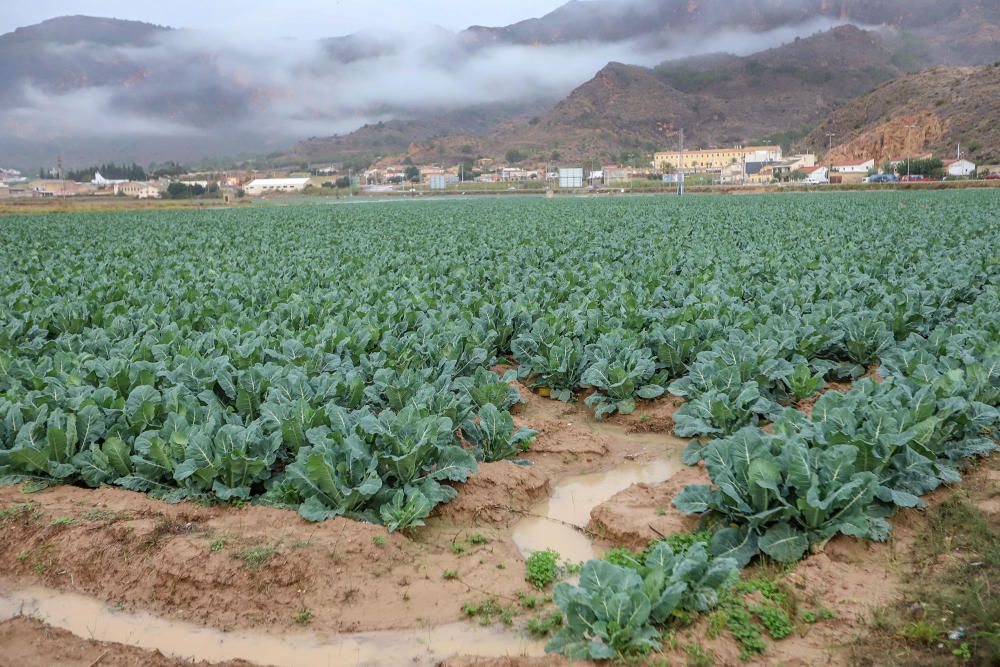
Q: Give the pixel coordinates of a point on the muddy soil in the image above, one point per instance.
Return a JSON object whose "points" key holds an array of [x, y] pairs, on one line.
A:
{"points": [[30, 643], [237, 569]]}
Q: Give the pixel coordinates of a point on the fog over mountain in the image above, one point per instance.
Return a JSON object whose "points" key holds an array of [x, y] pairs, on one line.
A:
{"points": [[101, 89]]}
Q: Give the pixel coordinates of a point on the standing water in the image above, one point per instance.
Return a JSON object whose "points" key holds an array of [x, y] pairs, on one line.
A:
{"points": [[90, 619], [559, 523]]}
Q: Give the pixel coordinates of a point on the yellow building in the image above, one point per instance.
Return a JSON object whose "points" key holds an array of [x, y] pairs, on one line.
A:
{"points": [[715, 159]]}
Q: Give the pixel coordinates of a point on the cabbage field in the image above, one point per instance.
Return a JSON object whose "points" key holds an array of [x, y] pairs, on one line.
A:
{"points": [[336, 360]]}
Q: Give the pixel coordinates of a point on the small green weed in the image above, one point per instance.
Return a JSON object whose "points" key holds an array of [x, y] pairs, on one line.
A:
{"points": [[775, 620], [255, 558], [923, 631], [449, 574], [545, 625], [15, 511], [379, 540], [63, 521], [963, 652], [303, 616], [100, 515], [489, 610], [746, 632], [543, 567], [697, 656], [477, 539], [527, 601]]}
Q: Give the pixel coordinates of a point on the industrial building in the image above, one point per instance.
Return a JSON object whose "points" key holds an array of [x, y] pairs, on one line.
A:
{"points": [[263, 186]]}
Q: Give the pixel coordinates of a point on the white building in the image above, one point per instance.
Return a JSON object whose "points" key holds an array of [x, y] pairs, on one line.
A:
{"points": [[802, 160], [817, 176], [514, 174], [960, 167], [856, 167], [102, 182], [11, 176], [262, 186], [138, 189]]}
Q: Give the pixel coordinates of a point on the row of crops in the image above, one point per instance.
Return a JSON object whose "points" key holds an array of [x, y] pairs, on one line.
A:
{"points": [[336, 360]]}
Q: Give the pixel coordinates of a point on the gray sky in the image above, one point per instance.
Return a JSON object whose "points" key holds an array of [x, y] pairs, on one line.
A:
{"points": [[304, 19]]}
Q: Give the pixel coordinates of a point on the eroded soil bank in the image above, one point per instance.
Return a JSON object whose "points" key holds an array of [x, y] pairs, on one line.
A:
{"points": [[267, 571]]}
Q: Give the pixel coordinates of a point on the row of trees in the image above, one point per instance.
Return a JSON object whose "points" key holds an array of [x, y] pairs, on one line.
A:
{"points": [[178, 190], [930, 167], [112, 171]]}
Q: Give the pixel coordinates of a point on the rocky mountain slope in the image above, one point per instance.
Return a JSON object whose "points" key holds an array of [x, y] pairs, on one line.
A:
{"points": [[776, 95], [933, 110]]}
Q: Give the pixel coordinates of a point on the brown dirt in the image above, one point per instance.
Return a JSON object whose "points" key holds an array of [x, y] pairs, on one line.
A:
{"points": [[30, 643], [496, 491], [650, 416], [196, 563], [548, 661], [638, 515]]}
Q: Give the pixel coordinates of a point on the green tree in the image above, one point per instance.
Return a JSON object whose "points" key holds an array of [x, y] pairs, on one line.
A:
{"points": [[412, 174], [514, 156], [178, 190], [931, 167]]}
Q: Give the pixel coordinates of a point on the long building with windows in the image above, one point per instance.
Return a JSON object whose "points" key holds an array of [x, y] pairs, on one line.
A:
{"points": [[714, 159]]}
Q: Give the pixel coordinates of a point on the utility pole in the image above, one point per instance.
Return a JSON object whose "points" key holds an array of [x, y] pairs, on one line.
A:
{"points": [[680, 170], [908, 151], [829, 154]]}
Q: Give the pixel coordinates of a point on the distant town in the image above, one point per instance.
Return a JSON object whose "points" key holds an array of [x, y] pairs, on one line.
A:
{"points": [[748, 166]]}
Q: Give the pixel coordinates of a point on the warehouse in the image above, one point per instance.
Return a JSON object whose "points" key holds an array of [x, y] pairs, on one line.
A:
{"points": [[262, 186]]}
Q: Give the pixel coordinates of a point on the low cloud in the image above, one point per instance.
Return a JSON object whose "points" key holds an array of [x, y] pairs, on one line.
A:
{"points": [[194, 84]]}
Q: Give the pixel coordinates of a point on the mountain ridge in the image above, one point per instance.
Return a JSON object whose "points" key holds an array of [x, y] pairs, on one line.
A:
{"points": [[100, 67]]}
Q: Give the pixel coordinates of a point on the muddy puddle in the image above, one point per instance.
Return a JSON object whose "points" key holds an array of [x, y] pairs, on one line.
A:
{"points": [[90, 619], [559, 522]]}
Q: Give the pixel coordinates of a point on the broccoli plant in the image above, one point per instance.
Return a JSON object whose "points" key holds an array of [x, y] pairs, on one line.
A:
{"points": [[620, 372], [617, 612], [493, 435]]}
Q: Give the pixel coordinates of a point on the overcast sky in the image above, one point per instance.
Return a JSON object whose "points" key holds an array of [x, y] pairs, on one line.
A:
{"points": [[304, 19]]}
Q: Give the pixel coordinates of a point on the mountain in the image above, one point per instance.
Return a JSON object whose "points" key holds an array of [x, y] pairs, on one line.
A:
{"points": [[664, 21], [933, 110], [775, 95], [96, 89], [778, 94], [374, 140], [48, 55]]}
